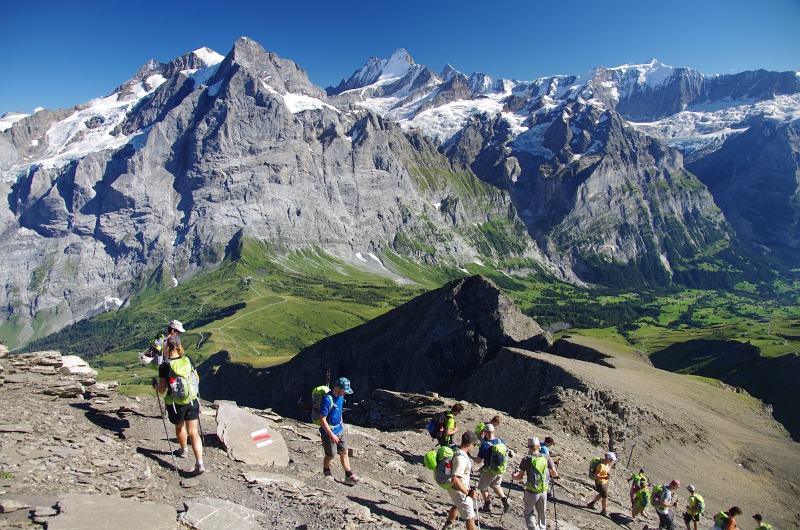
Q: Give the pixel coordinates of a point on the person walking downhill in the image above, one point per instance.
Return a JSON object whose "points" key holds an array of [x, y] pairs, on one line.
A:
{"points": [[178, 384], [493, 455], [460, 493], [665, 518], [694, 507], [334, 437], [727, 520], [761, 524], [598, 470], [539, 469]]}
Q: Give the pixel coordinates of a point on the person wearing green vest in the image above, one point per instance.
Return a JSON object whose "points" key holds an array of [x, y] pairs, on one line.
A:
{"points": [[694, 508], [761, 524], [450, 424], [727, 520], [637, 480], [538, 468]]}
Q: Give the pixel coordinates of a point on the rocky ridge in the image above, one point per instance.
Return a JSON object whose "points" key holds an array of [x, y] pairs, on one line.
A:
{"points": [[61, 455]]}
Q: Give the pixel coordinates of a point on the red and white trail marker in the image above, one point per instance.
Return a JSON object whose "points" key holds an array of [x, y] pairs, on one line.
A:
{"points": [[261, 437]]}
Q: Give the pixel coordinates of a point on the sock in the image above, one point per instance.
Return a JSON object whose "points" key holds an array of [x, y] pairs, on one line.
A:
{"points": [[348, 474], [200, 462]]}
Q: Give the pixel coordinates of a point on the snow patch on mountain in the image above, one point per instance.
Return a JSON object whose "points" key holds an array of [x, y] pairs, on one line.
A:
{"points": [[208, 56], [708, 125], [10, 118]]}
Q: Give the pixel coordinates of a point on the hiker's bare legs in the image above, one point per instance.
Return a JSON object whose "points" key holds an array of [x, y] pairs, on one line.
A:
{"points": [[471, 524], [499, 492], [197, 443], [180, 434], [345, 461], [452, 514]]}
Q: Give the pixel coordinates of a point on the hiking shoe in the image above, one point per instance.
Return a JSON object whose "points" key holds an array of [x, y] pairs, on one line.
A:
{"points": [[448, 525], [326, 472], [604, 513], [506, 505], [590, 506], [182, 452], [352, 479], [199, 469]]}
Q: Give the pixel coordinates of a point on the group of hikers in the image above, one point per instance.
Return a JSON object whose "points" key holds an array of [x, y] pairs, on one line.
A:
{"points": [[451, 463]]}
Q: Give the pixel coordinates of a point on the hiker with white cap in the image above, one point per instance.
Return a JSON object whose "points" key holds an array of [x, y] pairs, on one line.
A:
{"points": [[598, 470], [174, 330], [494, 456], [694, 508], [538, 468]]}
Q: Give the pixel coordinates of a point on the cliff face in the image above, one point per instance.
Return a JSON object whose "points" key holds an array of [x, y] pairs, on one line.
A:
{"points": [[246, 145], [432, 343]]}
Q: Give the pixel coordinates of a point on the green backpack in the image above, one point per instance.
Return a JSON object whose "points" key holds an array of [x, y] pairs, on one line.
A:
{"points": [[655, 497], [643, 497], [183, 382], [442, 473], [537, 479], [696, 504], [317, 395], [498, 458], [593, 467]]}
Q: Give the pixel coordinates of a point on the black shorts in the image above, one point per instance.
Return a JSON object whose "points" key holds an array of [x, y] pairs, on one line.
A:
{"points": [[341, 447], [179, 413], [687, 518]]}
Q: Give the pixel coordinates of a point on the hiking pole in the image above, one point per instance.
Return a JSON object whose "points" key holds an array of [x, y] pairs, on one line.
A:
{"points": [[477, 517], [508, 495], [166, 432], [555, 509], [614, 485]]}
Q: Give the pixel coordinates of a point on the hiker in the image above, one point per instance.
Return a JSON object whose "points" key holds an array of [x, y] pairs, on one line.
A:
{"points": [[598, 470], [184, 416], [637, 480], [664, 502], [727, 520], [494, 422], [332, 429], [546, 445], [640, 501], [449, 425], [174, 330], [761, 524], [694, 508], [462, 495], [493, 454], [538, 468]]}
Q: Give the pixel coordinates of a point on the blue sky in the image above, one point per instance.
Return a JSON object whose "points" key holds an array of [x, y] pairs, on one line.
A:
{"points": [[58, 54]]}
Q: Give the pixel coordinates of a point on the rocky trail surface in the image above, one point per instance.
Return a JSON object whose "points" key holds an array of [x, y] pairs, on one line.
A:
{"points": [[90, 458]]}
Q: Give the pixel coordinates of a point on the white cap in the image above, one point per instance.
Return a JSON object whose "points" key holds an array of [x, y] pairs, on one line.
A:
{"points": [[176, 325], [533, 442], [611, 456], [488, 428]]}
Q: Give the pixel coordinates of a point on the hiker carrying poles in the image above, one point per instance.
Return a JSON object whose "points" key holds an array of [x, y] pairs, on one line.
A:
{"points": [[166, 431]]}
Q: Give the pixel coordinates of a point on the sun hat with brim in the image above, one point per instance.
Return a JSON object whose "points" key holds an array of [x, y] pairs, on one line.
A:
{"points": [[611, 456], [177, 326]]}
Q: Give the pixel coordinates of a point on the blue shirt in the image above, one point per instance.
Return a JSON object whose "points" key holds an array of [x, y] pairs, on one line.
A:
{"points": [[485, 451], [543, 450], [331, 410]]}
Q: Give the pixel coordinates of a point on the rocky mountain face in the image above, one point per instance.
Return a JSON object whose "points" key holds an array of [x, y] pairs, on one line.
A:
{"points": [[157, 178], [162, 174], [432, 343]]}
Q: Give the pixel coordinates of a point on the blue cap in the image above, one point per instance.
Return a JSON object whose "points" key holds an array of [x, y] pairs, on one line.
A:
{"points": [[344, 384]]}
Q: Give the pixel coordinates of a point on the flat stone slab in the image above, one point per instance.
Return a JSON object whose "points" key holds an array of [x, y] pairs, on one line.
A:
{"points": [[207, 513], [100, 512], [249, 438], [16, 427], [272, 478]]}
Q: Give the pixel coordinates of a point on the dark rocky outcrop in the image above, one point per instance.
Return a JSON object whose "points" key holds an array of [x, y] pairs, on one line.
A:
{"points": [[435, 342]]}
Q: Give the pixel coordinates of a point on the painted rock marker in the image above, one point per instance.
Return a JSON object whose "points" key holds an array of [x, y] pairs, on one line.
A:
{"points": [[249, 438]]}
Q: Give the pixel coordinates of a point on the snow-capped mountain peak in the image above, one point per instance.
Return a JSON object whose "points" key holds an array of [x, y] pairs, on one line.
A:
{"points": [[208, 56], [448, 73]]}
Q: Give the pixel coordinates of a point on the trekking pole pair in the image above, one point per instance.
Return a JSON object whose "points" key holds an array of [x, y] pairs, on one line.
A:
{"points": [[166, 432], [614, 485], [555, 509]]}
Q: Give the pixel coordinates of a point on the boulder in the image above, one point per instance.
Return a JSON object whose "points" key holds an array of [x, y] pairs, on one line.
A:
{"points": [[65, 389], [40, 358], [250, 438], [74, 365]]}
